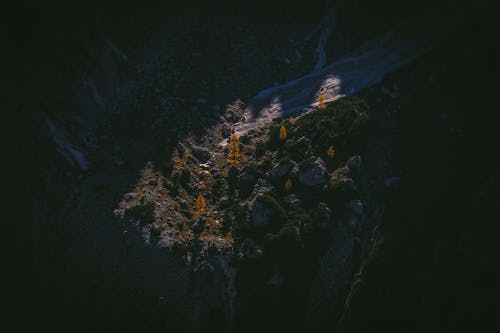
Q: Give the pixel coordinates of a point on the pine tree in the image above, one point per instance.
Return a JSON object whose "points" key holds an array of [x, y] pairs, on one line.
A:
{"points": [[330, 152], [283, 132], [288, 184], [234, 150], [321, 102], [200, 203]]}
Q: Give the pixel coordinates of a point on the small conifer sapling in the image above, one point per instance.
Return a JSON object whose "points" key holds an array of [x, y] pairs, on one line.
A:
{"points": [[283, 135]]}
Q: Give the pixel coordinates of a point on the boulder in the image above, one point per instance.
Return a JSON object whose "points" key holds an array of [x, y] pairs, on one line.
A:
{"points": [[225, 202], [266, 211], [313, 173], [354, 163], [247, 181], [202, 154], [252, 252], [305, 146], [183, 203], [248, 178], [181, 149], [356, 206], [281, 170], [292, 201], [322, 216], [260, 214], [343, 185], [225, 131]]}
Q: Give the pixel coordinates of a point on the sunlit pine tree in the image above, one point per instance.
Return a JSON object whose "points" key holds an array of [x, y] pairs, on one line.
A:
{"points": [[330, 152], [200, 204], [234, 150], [321, 102], [283, 135]]}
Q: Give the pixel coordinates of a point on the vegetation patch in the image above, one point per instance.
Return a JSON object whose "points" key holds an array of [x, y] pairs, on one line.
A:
{"points": [[143, 213]]}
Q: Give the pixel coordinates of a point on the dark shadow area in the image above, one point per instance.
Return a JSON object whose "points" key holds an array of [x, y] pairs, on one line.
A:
{"points": [[434, 268]]}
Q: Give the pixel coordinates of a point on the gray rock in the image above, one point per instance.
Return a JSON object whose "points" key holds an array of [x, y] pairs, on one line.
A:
{"points": [[305, 146], [156, 230], [187, 213], [304, 141], [323, 210], [354, 163], [313, 174], [292, 201], [252, 252], [281, 170], [181, 148], [323, 216], [247, 182], [262, 187], [183, 203], [343, 185], [349, 185], [356, 206], [129, 196], [262, 182], [198, 226], [202, 154], [248, 177], [225, 131], [260, 214], [225, 202], [192, 161]]}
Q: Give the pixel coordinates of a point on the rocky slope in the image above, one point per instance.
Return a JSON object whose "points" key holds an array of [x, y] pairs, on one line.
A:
{"points": [[113, 150]]}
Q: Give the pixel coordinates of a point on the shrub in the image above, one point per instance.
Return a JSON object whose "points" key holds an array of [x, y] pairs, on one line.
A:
{"points": [[143, 213], [260, 149], [274, 137]]}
